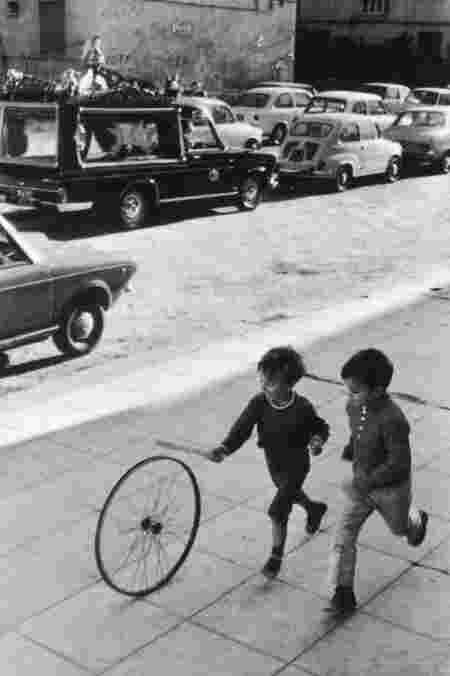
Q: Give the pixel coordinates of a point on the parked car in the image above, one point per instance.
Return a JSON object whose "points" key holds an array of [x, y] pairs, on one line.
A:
{"points": [[272, 108], [427, 96], [361, 103], [424, 134], [128, 155], [63, 295], [392, 95], [233, 133], [337, 147]]}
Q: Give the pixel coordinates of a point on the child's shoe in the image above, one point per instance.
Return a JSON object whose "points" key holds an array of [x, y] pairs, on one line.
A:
{"points": [[315, 516], [272, 566], [343, 601], [416, 539]]}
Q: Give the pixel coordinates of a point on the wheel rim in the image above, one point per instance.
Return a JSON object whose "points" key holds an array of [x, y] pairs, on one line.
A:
{"points": [[394, 170], [343, 178], [82, 327], [147, 526], [278, 135], [131, 206], [446, 164], [250, 193]]}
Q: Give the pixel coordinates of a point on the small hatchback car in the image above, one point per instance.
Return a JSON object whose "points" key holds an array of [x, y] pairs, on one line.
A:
{"points": [[360, 103], [424, 134], [125, 151], [338, 147], [63, 296]]}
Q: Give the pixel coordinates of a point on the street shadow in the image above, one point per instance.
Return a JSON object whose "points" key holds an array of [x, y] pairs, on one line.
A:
{"points": [[11, 370]]}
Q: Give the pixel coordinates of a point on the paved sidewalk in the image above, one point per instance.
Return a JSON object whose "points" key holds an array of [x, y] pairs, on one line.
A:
{"points": [[219, 617]]}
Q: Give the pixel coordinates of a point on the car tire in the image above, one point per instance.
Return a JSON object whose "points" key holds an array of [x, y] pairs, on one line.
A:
{"points": [[444, 164], [81, 329], [278, 134], [250, 193], [343, 178], [393, 170], [133, 209]]}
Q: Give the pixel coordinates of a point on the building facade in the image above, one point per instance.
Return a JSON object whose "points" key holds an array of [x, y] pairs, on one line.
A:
{"points": [[223, 43], [374, 39]]}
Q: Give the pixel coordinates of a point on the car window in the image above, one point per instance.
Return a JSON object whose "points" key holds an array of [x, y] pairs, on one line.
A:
{"points": [[284, 101], [203, 136], [349, 132], [368, 131], [423, 96], [444, 99], [10, 253], [323, 104], [311, 129], [253, 100], [360, 108], [126, 136], [222, 115], [29, 135], [301, 99], [375, 108]]}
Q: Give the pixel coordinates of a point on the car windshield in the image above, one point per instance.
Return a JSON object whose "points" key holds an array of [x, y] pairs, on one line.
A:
{"points": [[253, 100], [423, 96], [311, 129], [420, 118], [29, 135], [322, 104]]}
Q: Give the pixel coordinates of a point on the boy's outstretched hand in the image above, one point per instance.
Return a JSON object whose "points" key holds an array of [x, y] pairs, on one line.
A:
{"points": [[316, 445], [216, 455]]}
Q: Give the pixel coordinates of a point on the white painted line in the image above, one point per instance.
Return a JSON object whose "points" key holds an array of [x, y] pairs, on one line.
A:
{"points": [[163, 384]]}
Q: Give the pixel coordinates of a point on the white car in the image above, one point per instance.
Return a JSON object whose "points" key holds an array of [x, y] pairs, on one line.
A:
{"points": [[272, 108], [233, 133], [427, 96], [393, 95], [360, 103]]}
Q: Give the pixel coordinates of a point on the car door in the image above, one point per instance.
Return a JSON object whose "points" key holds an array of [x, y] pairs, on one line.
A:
{"points": [[373, 150], [352, 146], [208, 166], [283, 107], [26, 291]]}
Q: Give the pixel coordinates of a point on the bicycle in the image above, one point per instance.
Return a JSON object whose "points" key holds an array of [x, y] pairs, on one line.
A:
{"points": [[148, 523]]}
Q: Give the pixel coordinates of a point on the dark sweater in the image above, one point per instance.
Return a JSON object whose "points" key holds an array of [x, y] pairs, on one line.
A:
{"points": [[379, 442], [283, 434]]}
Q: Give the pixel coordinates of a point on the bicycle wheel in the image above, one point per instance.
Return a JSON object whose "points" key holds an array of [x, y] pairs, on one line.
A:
{"points": [[147, 525]]}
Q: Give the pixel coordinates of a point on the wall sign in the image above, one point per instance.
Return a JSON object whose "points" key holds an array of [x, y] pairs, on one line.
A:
{"points": [[182, 27]]}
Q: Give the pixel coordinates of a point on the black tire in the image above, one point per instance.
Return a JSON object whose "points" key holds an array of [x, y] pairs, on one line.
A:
{"points": [[278, 134], [250, 193], [133, 209], [393, 170], [80, 330], [344, 178], [444, 164], [141, 532]]}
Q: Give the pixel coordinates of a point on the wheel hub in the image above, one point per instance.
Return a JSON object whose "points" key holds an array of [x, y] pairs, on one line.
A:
{"points": [[130, 206], [150, 526], [82, 326]]}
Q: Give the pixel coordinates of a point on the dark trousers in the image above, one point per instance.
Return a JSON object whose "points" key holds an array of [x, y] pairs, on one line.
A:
{"points": [[289, 492]]}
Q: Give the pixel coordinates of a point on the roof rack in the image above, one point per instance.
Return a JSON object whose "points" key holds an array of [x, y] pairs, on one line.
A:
{"points": [[108, 88]]}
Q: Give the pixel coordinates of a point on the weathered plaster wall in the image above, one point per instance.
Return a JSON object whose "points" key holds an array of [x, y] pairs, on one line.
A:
{"points": [[20, 35]]}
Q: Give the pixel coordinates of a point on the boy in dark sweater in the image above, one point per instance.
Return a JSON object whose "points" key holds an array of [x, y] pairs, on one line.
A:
{"points": [[288, 427], [380, 451]]}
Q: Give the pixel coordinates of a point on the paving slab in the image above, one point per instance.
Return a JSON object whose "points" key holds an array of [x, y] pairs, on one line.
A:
{"points": [[194, 651], [98, 627], [276, 618], [308, 567], [21, 657], [419, 601], [431, 491], [366, 646]]}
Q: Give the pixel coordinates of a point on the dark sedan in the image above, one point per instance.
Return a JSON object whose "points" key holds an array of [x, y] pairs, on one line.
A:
{"points": [[63, 296]]}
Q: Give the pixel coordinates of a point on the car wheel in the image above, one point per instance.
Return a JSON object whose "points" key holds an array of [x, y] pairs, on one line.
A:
{"points": [[444, 164], [343, 178], [278, 134], [393, 170], [252, 144], [133, 209], [249, 194], [80, 330]]}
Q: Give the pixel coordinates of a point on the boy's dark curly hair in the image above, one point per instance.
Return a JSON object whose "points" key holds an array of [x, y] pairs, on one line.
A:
{"points": [[283, 360], [369, 367]]}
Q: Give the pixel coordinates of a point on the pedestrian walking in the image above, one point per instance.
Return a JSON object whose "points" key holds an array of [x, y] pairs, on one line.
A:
{"points": [[288, 429], [380, 451]]}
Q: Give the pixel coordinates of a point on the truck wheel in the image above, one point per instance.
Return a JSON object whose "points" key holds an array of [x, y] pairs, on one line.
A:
{"points": [[250, 194], [343, 178], [278, 134], [133, 209], [80, 329], [393, 170], [444, 164]]}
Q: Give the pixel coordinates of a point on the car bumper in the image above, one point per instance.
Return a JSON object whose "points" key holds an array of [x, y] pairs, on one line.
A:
{"points": [[28, 196]]}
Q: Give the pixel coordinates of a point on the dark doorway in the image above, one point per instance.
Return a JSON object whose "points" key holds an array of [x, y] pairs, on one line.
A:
{"points": [[52, 22], [429, 45]]}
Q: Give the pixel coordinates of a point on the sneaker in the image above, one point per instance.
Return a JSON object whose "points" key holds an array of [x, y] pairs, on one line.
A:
{"points": [[343, 601], [315, 516], [416, 540], [272, 566]]}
